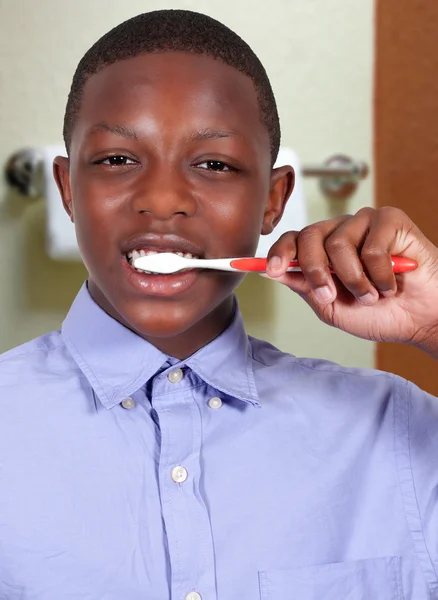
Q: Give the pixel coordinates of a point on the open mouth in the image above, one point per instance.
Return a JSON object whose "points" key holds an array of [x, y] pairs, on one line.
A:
{"points": [[134, 254]]}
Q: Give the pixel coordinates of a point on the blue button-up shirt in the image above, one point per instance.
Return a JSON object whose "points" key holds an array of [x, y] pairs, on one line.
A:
{"points": [[241, 473]]}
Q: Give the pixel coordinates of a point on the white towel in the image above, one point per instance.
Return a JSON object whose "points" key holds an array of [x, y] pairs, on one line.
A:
{"points": [[295, 214], [60, 232]]}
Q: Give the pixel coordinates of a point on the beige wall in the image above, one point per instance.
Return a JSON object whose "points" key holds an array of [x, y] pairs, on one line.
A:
{"points": [[318, 54]]}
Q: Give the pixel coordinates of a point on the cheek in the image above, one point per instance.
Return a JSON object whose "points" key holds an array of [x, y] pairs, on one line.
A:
{"points": [[93, 232], [94, 211], [236, 226]]}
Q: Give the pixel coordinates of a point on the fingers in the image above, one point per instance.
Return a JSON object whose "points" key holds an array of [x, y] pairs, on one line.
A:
{"points": [[360, 252], [345, 248], [389, 227], [308, 246], [281, 253], [314, 259], [285, 248], [357, 247]]}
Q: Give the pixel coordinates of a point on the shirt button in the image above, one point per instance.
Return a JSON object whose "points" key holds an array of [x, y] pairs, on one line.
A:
{"points": [[175, 376], [215, 402], [128, 403], [193, 596], [179, 474]]}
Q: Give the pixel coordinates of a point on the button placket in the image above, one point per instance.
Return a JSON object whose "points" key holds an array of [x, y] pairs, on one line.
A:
{"points": [[185, 515]]}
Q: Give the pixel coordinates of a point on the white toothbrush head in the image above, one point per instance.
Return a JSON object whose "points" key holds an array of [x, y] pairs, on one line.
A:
{"points": [[164, 263]]}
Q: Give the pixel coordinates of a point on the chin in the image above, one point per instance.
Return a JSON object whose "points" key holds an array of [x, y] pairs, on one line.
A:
{"points": [[162, 320]]}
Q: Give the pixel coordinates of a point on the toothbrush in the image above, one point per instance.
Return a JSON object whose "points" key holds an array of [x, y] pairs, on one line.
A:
{"points": [[166, 262]]}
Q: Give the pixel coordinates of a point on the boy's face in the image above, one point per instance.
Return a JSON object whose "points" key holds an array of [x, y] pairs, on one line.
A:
{"points": [[193, 176]]}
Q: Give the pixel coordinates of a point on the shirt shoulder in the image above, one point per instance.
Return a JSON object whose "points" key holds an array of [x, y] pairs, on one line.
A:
{"points": [[268, 356], [45, 342], [323, 383], [32, 361]]}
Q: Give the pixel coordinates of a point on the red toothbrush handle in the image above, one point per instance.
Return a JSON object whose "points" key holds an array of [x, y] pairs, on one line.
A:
{"points": [[400, 264]]}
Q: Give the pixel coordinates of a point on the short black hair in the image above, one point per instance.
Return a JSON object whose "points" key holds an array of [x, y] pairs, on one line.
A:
{"points": [[177, 31]]}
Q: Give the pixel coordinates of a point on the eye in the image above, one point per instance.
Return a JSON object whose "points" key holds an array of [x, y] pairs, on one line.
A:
{"points": [[116, 161], [215, 165]]}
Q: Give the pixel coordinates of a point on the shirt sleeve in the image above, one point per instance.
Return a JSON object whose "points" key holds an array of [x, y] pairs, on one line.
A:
{"points": [[418, 417]]}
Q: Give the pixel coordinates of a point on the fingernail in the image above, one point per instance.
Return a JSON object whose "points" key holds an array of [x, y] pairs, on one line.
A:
{"points": [[323, 293], [387, 293], [368, 299], [275, 263]]}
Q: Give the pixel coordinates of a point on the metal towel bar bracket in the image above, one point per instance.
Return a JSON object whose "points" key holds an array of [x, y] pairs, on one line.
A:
{"points": [[339, 176]]}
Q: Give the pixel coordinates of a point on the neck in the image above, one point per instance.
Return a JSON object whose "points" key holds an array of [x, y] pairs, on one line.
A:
{"points": [[199, 335], [184, 344]]}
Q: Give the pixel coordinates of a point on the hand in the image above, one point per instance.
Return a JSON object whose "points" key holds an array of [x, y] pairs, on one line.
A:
{"points": [[365, 298]]}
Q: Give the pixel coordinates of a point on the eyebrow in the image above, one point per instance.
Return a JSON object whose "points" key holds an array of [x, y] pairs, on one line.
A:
{"points": [[211, 134], [121, 130], [127, 132]]}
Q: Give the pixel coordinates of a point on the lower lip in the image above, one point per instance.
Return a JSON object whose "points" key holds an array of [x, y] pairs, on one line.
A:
{"points": [[161, 285]]}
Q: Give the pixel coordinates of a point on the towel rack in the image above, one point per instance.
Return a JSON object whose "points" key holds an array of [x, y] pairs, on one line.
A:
{"points": [[339, 175]]}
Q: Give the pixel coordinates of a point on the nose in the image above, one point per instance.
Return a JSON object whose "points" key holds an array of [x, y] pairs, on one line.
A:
{"points": [[163, 193]]}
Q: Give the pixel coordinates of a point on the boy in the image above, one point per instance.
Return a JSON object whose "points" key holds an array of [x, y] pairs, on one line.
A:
{"points": [[150, 449]]}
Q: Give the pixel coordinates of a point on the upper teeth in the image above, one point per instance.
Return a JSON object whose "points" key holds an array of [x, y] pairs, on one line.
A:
{"points": [[132, 256]]}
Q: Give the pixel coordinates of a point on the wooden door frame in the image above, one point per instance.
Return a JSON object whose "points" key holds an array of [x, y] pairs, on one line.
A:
{"points": [[406, 141]]}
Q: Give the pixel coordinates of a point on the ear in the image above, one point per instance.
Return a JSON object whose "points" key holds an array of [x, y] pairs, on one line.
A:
{"points": [[61, 173], [282, 184]]}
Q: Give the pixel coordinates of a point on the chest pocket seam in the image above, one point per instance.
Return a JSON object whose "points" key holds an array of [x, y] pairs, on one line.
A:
{"points": [[263, 581]]}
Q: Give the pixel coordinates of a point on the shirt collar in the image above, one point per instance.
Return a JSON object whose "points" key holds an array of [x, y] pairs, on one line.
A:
{"points": [[117, 362]]}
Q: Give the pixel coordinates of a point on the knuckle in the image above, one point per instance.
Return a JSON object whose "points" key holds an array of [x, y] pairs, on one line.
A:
{"points": [[285, 244], [366, 210], [391, 212], [373, 254], [336, 243], [287, 238], [287, 234], [310, 231]]}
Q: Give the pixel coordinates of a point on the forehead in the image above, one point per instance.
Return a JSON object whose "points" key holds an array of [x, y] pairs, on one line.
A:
{"points": [[182, 89]]}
